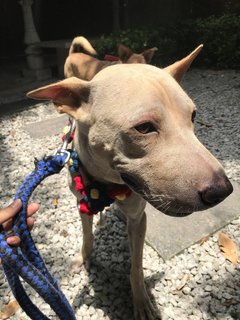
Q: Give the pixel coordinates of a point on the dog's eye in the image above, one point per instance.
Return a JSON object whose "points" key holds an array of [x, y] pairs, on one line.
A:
{"points": [[145, 128], [194, 115]]}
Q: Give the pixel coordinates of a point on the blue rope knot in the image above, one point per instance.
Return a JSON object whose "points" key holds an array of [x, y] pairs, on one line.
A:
{"points": [[25, 261], [74, 161]]}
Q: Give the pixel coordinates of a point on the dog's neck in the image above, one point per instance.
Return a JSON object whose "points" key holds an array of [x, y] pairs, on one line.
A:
{"points": [[95, 163]]}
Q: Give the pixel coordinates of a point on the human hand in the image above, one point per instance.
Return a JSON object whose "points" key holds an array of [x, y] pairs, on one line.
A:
{"points": [[7, 213]]}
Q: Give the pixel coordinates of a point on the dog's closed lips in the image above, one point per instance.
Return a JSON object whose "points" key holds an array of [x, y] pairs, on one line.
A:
{"points": [[130, 181]]}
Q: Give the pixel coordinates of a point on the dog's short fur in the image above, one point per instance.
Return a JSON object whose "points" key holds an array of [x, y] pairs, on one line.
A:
{"points": [[85, 66], [135, 127]]}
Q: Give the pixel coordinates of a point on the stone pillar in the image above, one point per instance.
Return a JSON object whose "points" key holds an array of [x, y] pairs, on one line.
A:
{"points": [[33, 51], [30, 35]]}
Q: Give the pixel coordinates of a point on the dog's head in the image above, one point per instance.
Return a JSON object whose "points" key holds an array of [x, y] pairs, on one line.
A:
{"points": [[126, 55], [136, 125]]}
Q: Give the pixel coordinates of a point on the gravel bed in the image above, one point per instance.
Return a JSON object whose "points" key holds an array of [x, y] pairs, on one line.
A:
{"points": [[198, 284]]}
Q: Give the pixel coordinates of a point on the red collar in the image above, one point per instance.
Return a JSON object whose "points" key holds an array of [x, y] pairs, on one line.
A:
{"points": [[109, 57]]}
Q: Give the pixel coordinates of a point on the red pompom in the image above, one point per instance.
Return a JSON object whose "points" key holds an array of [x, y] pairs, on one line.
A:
{"points": [[84, 208], [79, 186]]}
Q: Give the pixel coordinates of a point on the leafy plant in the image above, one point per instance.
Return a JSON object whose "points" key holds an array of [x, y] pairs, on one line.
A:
{"points": [[220, 36]]}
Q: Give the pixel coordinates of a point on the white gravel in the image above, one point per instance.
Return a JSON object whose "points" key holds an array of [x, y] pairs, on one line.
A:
{"points": [[199, 284]]}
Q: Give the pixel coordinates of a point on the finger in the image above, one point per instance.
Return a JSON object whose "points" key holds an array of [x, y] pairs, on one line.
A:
{"points": [[10, 211], [32, 208], [7, 225], [13, 241], [30, 223]]}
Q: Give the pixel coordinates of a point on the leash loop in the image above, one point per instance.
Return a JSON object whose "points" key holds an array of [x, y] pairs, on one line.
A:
{"points": [[25, 261]]}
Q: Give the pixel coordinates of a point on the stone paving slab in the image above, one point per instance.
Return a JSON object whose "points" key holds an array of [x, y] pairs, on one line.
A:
{"points": [[170, 235], [47, 127]]}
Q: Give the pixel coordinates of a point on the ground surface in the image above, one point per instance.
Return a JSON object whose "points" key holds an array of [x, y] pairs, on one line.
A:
{"points": [[197, 284]]}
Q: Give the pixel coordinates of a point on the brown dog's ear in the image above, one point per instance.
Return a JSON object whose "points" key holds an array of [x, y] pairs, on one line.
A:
{"points": [[67, 95], [179, 68], [124, 52], [148, 54]]}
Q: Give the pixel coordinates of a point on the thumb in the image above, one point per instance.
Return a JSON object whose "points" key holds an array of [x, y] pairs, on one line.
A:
{"points": [[10, 211]]}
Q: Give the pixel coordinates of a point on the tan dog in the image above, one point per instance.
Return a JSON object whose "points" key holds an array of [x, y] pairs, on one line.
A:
{"points": [[84, 66], [135, 127]]}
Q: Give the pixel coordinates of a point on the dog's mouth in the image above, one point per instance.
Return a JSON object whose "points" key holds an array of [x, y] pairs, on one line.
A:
{"points": [[178, 209], [168, 205], [131, 182], [177, 213], [172, 207]]}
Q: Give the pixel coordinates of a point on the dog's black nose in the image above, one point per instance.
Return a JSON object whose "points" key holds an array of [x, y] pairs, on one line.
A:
{"points": [[216, 192]]}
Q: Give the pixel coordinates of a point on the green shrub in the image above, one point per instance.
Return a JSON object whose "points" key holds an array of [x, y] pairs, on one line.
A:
{"points": [[139, 40], [220, 36]]}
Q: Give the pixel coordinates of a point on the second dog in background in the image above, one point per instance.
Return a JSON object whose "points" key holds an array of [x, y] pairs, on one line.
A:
{"points": [[85, 65]]}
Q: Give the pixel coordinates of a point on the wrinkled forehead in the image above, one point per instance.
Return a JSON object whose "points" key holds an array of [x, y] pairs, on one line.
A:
{"points": [[137, 88]]}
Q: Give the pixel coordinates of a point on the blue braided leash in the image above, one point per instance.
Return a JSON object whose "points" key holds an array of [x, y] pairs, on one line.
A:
{"points": [[25, 261]]}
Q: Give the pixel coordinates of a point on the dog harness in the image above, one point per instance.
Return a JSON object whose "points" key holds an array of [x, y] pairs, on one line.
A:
{"points": [[25, 261]]}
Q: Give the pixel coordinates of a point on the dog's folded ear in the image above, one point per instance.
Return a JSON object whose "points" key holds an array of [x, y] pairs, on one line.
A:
{"points": [[124, 52], [149, 53], [179, 68], [67, 95]]}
